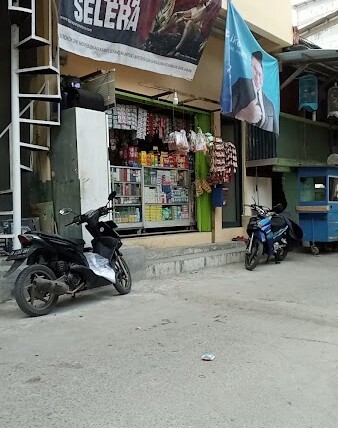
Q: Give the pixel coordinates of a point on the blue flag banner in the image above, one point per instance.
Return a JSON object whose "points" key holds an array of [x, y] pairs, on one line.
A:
{"points": [[250, 90]]}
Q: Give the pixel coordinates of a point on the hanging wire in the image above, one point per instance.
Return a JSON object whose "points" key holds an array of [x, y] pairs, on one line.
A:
{"points": [[184, 124], [256, 186], [174, 119]]}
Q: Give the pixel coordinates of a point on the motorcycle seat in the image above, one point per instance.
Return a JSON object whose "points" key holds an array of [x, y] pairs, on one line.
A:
{"points": [[75, 241]]}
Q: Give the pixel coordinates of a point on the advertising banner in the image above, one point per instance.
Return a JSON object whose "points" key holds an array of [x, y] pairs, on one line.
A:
{"points": [[163, 36]]}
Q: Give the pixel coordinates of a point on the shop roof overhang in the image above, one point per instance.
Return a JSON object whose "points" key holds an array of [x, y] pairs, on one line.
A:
{"points": [[322, 62]]}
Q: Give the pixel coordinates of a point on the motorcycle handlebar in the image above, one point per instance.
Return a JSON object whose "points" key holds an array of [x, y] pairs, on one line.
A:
{"points": [[261, 210], [76, 220], [82, 218]]}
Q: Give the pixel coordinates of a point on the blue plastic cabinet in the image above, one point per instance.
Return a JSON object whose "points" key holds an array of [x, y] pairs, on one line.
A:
{"points": [[318, 204]]}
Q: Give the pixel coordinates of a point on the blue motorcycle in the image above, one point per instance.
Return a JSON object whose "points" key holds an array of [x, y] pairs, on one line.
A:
{"points": [[269, 233]]}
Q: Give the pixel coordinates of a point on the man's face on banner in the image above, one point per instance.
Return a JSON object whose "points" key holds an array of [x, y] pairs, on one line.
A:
{"points": [[257, 72]]}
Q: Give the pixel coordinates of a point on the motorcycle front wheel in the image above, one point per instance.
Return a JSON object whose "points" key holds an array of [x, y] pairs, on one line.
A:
{"points": [[252, 259], [29, 298], [281, 255], [122, 276]]}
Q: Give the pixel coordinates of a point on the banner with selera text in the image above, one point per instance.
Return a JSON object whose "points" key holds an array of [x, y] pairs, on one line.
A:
{"points": [[163, 36]]}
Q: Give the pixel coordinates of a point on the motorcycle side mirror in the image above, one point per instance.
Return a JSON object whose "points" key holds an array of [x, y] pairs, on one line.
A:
{"points": [[66, 211], [278, 209], [112, 196]]}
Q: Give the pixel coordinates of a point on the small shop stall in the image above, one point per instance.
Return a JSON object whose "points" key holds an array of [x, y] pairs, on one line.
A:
{"points": [[152, 164], [318, 205], [152, 170]]}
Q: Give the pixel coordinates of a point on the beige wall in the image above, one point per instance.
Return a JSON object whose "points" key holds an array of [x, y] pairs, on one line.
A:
{"points": [[271, 19], [264, 194], [207, 82]]}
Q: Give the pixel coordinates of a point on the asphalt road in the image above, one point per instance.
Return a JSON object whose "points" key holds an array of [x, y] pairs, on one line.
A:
{"points": [[103, 360]]}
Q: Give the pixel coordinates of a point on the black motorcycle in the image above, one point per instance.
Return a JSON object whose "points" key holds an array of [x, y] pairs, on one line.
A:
{"points": [[58, 266]]}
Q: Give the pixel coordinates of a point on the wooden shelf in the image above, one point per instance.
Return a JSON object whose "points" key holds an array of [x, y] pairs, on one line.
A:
{"points": [[171, 185], [112, 167], [126, 182], [127, 205], [166, 168], [130, 225], [128, 196], [166, 223], [172, 204]]}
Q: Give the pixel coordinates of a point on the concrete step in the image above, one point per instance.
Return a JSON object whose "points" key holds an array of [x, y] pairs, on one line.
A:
{"points": [[177, 261], [7, 284], [161, 253], [4, 263]]}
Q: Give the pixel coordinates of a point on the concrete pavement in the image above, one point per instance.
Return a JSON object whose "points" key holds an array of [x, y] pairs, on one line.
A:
{"points": [[103, 360]]}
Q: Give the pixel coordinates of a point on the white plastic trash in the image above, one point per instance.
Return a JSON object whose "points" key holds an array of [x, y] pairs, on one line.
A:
{"points": [[100, 266], [208, 357]]}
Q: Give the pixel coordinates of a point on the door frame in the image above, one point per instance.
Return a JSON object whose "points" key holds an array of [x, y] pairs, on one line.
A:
{"points": [[238, 177]]}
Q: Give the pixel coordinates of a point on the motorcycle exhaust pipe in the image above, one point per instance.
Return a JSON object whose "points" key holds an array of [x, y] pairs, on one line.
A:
{"points": [[49, 286]]}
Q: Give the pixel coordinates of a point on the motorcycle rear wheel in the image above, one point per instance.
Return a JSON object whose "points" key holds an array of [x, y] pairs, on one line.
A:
{"points": [[252, 259], [123, 280], [26, 295]]}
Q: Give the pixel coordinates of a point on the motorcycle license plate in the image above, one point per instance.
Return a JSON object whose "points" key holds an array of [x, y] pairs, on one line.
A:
{"points": [[18, 254]]}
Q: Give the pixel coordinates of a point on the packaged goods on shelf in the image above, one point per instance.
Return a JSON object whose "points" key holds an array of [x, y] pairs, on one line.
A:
{"points": [[126, 174], [153, 213], [162, 159], [153, 195], [127, 215]]}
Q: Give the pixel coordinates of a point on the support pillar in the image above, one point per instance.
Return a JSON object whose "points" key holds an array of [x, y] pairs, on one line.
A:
{"points": [[15, 137]]}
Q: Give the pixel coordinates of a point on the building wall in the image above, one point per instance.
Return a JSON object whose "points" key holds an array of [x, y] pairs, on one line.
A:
{"points": [[290, 187], [272, 20], [305, 13], [303, 140], [207, 83], [260, 190], [326, 39]]}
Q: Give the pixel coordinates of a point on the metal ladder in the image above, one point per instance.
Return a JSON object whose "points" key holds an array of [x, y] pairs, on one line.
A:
{"points": [[20, 133]]}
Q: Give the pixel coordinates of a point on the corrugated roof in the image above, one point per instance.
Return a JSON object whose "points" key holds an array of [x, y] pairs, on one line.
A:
{"points": [[308, 55], [320, 61]]}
